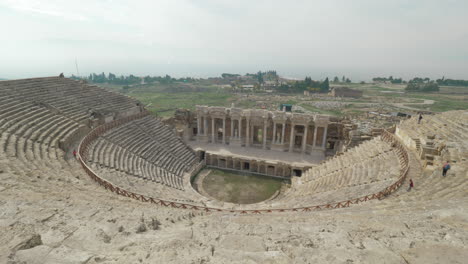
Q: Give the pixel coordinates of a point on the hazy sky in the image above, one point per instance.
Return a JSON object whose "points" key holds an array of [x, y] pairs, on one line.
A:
{"points": [[356, 38]]}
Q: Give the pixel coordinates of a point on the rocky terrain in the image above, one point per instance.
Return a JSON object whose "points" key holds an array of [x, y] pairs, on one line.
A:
{"points": [[52, 212], [66, 218]]}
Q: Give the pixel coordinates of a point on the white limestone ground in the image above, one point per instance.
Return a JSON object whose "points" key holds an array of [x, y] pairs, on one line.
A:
{"points": [[51, 212], [78, 222]]}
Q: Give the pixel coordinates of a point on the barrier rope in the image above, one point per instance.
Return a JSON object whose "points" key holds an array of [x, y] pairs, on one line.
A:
{"points": [[83, 148]]}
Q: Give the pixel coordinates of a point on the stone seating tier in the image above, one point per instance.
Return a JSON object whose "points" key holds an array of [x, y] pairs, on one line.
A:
{"points": [[443, 126], [105, 154], [71, 97], [144, 148]]}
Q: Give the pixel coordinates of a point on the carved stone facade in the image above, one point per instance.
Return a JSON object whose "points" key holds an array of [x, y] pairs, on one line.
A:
{"points": [[257, 166], [272, 130]]}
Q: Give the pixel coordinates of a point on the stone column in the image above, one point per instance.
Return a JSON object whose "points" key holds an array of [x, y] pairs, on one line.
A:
{"points": [[232, 129], [304, 139], [240, 129], [213, 130], [247, 132], [274, 133], [205, 129], [324, 141], [315, 136], [291, 138], [251, 135], [224, 130], [282, 133], [264, 132], [198, 125]]}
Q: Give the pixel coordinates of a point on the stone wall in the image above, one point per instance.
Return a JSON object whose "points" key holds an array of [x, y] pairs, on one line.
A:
{"points": [[345, 92], [258, 166], [269, 130]]}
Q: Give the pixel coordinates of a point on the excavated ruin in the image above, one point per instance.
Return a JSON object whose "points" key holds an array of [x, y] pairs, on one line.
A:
{"points": [[127, 197]]}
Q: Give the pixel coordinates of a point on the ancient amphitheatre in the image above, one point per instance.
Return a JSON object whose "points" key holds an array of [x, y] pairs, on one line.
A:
{"points": [[128, 196]]}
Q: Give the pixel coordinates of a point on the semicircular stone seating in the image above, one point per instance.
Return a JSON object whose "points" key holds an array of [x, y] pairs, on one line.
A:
{"points": [[437, 139], [147, 151], [144, 156], [37, 114], [360, 171], [436, 133]]}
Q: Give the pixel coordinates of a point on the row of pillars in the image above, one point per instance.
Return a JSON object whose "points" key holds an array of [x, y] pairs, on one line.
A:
{"points": [[264, 131], [223, 162]]}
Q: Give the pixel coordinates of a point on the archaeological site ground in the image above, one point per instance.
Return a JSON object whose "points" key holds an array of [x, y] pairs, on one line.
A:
{"points": [[207, 172]]}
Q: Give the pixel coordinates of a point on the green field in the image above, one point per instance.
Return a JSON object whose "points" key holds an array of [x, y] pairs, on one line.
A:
{"points": [[164, 104], [241, 188], [322, 111], [449, 98], [164, 99]]}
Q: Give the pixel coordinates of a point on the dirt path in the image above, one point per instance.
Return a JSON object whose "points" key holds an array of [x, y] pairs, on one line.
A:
{"points": [[405, 105]]}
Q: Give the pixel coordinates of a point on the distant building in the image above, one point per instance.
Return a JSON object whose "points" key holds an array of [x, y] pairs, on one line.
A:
{"points": [[345, 92], [286, 107], [248, 86]]}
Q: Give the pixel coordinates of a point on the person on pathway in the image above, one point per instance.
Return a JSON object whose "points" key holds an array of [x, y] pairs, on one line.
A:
{"points": [[411, 185], [74, 153], [419, 118], [445, 168]]}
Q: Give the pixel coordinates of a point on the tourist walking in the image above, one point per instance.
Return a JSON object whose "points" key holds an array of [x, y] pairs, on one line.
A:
{"points": [[445, 168], [411, 185], [419, 118], [74, 153]]}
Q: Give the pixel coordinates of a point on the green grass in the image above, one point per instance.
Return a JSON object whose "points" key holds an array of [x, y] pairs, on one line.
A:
{"points": [[293, 102], [246, 104], [322, 111], [164, 104], [243, 188], [442, 103], [164, 99]]}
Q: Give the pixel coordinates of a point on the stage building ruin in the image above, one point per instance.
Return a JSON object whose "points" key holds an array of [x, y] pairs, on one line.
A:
{"points": [[241, 139]]}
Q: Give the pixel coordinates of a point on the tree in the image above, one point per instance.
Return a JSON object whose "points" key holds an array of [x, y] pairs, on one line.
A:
{"points": [[412, 87], [229, 75], [430, 87], [336, 79], [422, 87], [348, 80], [343, 79], [325, 86], [451, 82], [111, 77], [260, 77]]}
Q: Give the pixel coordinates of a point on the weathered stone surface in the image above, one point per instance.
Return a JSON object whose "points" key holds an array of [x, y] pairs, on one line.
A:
{"points": [[44, 192]]}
